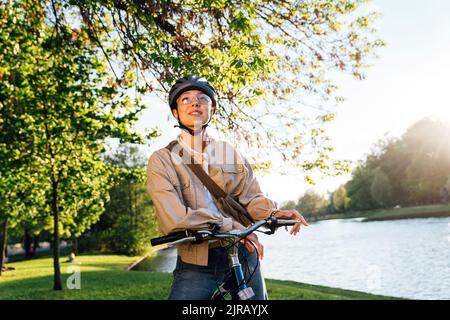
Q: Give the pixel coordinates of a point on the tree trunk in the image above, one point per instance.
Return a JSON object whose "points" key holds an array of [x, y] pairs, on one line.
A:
{"points": [[27, 243], [57, 270], [3, 243], [75, 245], [35, 244], [130, 207]]}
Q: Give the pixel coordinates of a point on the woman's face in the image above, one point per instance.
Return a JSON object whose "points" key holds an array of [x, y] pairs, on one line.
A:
{"points": [[194, 108]]}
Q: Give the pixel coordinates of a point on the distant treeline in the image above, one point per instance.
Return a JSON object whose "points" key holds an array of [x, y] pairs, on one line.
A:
{"points": [[407, 171]]}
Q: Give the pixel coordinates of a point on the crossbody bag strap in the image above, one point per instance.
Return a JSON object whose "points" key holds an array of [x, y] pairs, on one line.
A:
{"points": [[235, 209], [197, 169]]}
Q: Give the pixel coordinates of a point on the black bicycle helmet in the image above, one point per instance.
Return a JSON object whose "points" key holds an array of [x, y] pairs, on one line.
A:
{"points": [[192, 82]]}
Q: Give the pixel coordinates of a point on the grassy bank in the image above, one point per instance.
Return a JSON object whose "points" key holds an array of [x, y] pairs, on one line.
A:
{"points": [[439, 210], [409, 213], [106, 277]]}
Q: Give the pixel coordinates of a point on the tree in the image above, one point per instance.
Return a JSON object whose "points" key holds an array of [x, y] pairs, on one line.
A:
{"points": [[20, 187], [445, 191], [257, 54], [339, 198], [66, 109], [18, 196], [393, 158], [380, 189], [429, 166], [289, 205], [358, 189], [9, 210], [129, 221], [410, 170], [311, 202]]}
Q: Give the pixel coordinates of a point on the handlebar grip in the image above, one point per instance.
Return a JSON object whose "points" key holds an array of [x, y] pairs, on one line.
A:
{"points": [[169, 238], [286, 222]]}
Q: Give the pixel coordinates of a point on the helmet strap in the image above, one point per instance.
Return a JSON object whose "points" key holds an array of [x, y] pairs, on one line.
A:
{"points": [[191, 131]]}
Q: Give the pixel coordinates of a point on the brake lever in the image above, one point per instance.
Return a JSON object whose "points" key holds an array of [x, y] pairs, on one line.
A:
{"points": [[273, 225]]}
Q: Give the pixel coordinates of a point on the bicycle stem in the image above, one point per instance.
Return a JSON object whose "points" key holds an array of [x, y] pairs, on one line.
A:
{"points": [[245, 292]]}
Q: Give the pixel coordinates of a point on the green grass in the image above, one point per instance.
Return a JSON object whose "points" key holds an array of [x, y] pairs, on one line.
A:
{"points": [[102, 277], [438, 210], [106, 277], [409, 213], [290, 290]]}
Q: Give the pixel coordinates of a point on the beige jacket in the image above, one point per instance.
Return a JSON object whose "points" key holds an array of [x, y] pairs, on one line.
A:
{"points": [[180, 198]]}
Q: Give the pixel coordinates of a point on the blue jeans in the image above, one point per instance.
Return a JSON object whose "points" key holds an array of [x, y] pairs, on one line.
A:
{"points": [[194, 282]]}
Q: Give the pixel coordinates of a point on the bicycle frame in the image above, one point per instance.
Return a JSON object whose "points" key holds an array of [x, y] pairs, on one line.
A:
{"points": [[245, 292]]}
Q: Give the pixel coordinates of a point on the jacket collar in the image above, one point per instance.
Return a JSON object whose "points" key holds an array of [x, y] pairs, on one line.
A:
{"points": [[184, 138]]}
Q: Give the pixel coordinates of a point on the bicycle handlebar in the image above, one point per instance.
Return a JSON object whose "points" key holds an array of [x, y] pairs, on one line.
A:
{"points": [[203, 235], [169, 238]]}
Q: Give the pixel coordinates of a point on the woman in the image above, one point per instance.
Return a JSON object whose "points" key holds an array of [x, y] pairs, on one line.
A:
{"points": [[183, 202]]}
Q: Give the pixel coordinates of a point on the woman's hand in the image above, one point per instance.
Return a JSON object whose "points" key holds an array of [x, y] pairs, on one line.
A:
{"points": [[294, 215], [254, 239]]}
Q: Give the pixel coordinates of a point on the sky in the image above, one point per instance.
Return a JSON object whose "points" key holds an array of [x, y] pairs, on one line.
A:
{"points": [[409, 81]]}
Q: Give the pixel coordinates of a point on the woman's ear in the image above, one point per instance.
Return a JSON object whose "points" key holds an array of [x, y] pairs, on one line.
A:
{"points": [[175, 112]]}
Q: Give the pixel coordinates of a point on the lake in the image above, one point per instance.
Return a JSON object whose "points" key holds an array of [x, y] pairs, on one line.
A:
{"points": [[405, 258]]}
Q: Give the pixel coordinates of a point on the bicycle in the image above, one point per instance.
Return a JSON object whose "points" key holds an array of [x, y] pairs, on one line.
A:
{"points": [[233, 237]]}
